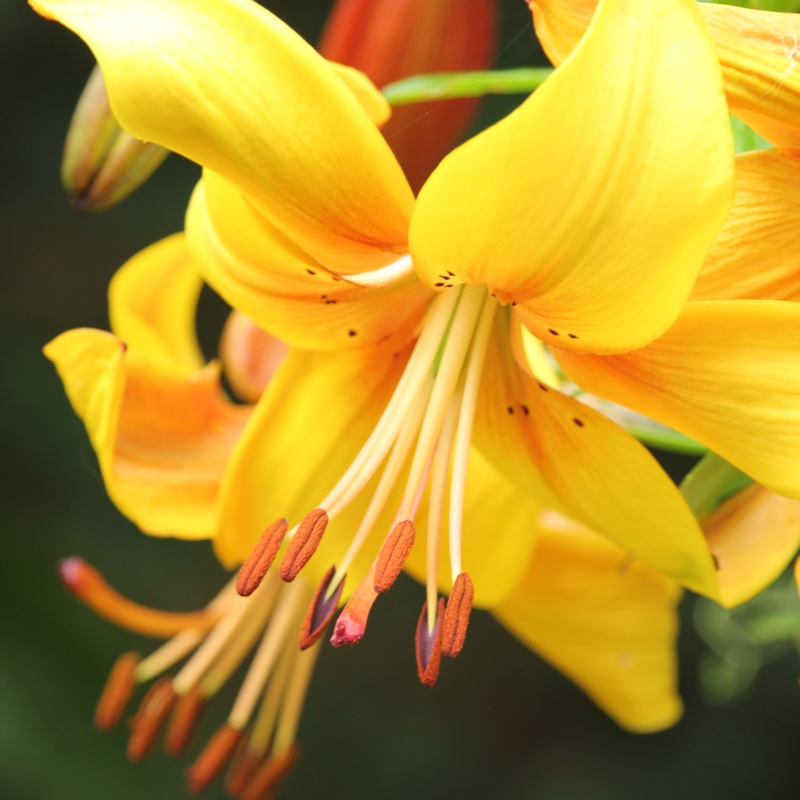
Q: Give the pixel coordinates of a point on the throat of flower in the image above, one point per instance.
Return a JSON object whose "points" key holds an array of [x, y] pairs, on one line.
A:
{"points": [[427, 423]]}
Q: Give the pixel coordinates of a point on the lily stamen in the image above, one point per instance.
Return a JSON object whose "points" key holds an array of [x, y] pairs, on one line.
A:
{"points": [[393, 273]]}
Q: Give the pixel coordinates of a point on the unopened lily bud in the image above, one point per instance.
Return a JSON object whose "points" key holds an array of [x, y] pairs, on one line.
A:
{"points": [[102, 163], [393, 39]]}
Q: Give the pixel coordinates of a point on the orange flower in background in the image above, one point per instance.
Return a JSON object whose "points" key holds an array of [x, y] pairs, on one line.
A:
{"points": [[392, 39]]}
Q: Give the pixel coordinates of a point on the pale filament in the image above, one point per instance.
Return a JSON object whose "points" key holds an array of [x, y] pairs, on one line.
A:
{"points": [[288, 613], [397, 458], [385, 276], [466, 418]]}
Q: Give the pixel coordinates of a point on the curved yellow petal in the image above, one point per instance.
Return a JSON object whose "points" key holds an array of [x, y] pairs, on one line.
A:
{"points": [[578, 461], [498, 535], [162, 439], [726, 374], [753, 537], [755, 253], [228, 85], [250, 356], [758, 51], [593, 205], [305, 431], [152, 305], [372, 101], [606, 621], [262, 273]]}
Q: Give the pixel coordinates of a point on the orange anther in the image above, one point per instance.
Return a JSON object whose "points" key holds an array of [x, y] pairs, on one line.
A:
{"points": [[210, 762], [271, 775], [304, 543], [393, 555], [117, 692], [456, 615], [150, 718], [183, 722], [259, 561]]}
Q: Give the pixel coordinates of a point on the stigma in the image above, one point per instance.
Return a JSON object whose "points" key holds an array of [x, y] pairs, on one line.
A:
{"points": [[419, 445], [204, 649]]}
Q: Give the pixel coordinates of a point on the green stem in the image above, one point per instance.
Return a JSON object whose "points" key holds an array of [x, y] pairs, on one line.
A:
{"points": [[448, 85]]}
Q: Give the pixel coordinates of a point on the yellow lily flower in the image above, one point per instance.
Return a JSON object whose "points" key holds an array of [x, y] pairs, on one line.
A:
{"points": [[758, 52], [306, 233]]}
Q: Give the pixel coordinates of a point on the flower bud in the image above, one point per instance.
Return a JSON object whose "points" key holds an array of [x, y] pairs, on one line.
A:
{"points": [[102, 163], [393, 39]]}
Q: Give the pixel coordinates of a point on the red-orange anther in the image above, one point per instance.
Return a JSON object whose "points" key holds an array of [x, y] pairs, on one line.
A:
{"points": [[150, 718], [304, 543], [212, 760], [393, 555], [259, 561], [456, 615], [117, 692], [271, 775], [183, 722]]}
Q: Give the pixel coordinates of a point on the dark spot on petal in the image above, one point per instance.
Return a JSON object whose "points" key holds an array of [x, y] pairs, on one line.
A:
{"points": [[510, 409], [311, 272], [513, 302], [525, 410], [444, 277], [383, 338], [542, 387], [716, 562], [451, 274], [395, 355], [578, 422], [572, 336], [351, 333], [323, 297], [335, 278], [438, 284], [553, 331], [330, 302]]}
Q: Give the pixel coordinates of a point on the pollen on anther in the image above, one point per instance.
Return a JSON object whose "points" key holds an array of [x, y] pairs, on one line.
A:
{"points": [[456, 615], [393, 555], [579, 422], [304, 543], [259, 561]]}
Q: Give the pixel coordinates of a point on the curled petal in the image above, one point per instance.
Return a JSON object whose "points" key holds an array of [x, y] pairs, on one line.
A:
{"points": [[583, 189], [753, 537], [726, 374], [755, 255], [152, 305], [249, 355], [604, 620], [262, 273], [758, 52], [266, 111], [579, 462], [162, 439]]}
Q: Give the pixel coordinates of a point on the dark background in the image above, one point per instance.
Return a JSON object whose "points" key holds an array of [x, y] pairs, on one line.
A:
{"points": [[500, 723]]}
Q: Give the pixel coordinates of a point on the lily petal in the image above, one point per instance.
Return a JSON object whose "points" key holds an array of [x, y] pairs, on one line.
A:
{"points": [[753, 537], [317, 412], [153, 302], [604, 620], [758, 52], [162, 440], [578, 461], [292, 137], [250, 356], [496, 562], [265, 275], [600, 196], [726, 374], [755, 254]]}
